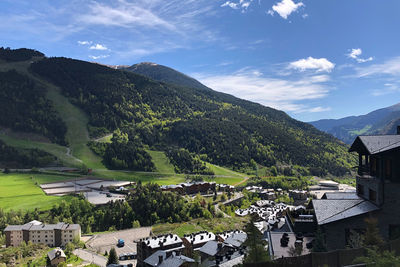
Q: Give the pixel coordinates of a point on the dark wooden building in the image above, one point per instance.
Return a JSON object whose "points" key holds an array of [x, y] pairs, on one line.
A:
{"points": [[378, 193]]}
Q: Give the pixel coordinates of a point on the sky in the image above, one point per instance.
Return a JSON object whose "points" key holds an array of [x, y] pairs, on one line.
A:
{"points": [[313, 59]]}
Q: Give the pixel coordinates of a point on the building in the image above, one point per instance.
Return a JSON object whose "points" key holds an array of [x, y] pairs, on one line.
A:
{"points": [[280, 244], [56, 256], [52, 235], [215, 253], [340, 215], [195, 241], [160, 259], [148, 246]]}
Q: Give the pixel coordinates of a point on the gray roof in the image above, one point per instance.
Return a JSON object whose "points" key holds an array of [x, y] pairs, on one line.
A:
{"points": [[211, 247], [175, 261], [13, 228], [341, 195], [236, 239], [34, 226], [377, 143], [52, 253], [153, 258], [330, 210]]}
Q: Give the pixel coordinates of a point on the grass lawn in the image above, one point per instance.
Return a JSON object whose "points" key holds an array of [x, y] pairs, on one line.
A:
{"points": [[21, 192], [59, 151], [214, 225], [77, 134], [161, 162]]}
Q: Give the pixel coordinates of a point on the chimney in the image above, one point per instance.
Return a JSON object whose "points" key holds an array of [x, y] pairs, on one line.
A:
{"points": [[398, 129], [160, 259]]}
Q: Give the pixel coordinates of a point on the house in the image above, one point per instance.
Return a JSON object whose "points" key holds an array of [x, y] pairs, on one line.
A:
{"points": [[56, 256], [160, 259], [148, 246], [52, 235], [196, 240], [340, 215], [215, 253]]}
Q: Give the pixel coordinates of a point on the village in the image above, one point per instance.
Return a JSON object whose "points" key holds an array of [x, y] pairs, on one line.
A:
{"points": [[286, 230]]}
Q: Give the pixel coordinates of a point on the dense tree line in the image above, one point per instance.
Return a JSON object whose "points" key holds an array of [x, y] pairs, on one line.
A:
{"points": [[24, 107], [11, 157], [20, 54], [147, 204], [224, 129], [124, 152], [186, 162]]}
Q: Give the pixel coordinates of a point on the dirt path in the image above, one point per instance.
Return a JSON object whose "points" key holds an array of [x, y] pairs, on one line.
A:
{"points": [[243, 181]]}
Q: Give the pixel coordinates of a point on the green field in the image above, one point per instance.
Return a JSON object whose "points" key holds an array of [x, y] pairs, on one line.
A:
{"points": [[161, 162], [214, 225], [21, 191]]}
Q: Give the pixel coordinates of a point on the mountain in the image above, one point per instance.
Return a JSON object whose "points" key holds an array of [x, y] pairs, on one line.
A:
{"points": [[143, 113], [165, 74], [381, 121]]}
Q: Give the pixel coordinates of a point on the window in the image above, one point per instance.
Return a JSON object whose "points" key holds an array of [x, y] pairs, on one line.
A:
{"points": [[360, 189], [394, 231], [372, 195]]}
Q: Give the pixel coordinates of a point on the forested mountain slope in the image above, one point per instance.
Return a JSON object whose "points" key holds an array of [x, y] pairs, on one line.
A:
{"points": [[24, 107], [218, 127], [165, 74], [381, 121]]}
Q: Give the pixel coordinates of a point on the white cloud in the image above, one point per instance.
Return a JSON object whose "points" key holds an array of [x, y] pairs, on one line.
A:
{"points": [[242, 4], [285, 8], [123, 15], [85, 42], [310, 63], [99, 57], [98, 47], [281, 94], [355, 53], [390, 67], [319, 109]]}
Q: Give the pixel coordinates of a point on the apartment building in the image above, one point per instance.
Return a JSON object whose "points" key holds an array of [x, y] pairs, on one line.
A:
{"points": [[52, 235]]}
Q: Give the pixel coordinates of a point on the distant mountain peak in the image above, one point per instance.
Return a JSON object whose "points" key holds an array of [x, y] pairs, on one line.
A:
{"points": [[165, 74]]}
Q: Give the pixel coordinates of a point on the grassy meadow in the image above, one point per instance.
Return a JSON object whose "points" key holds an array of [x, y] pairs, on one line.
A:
{"points": [[22, 192]]}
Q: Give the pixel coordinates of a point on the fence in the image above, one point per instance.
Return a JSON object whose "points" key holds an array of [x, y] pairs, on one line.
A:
{"points": [[342, 257]]}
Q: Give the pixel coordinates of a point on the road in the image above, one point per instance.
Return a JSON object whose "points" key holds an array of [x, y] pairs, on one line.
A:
{"points": [[235, 197], [91, 257]]}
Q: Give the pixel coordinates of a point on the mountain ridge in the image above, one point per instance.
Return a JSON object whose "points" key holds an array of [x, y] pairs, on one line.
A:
{"points": [[219, 128], [380, 121]]}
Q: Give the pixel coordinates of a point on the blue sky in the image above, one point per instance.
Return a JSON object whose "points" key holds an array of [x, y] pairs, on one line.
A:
{"points": [[313, 59]]}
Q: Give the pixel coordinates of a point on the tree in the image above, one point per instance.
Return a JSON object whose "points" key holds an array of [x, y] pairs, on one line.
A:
{"points": [[256, 247], [112, 257], [319, 242], [372, 237], [378, 258], [135, 224], [69, 248]]}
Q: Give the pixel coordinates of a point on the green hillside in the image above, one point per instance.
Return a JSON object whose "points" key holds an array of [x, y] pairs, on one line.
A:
{"points": [[223, 129]]}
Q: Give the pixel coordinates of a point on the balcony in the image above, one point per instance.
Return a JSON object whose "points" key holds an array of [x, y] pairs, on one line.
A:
{"points": [[364, 171]]}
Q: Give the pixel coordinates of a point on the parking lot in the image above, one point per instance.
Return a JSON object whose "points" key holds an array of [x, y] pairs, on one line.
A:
{"points": [[104, 242]]}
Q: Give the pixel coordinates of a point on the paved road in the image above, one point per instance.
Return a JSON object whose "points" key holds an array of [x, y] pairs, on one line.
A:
{"points": [[235, 197], [91, 257]]}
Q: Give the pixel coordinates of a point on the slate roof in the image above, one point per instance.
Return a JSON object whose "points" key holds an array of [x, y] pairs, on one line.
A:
{"points": [[376, 143], [341, 195], [236, 239], [153, 258], [172, 261], [175, 261], [52, 253], [211, 247], [330, 210]]}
